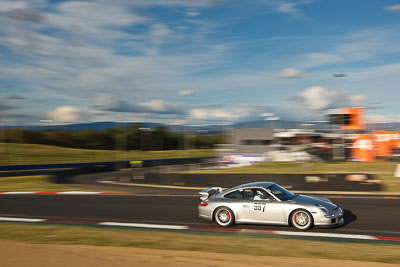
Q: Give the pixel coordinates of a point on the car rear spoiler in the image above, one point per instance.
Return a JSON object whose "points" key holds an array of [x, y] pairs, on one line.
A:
{"points": [[206, 193]]}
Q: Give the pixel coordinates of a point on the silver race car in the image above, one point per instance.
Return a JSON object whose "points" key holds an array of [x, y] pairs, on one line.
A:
{"points": [[267, 203]]}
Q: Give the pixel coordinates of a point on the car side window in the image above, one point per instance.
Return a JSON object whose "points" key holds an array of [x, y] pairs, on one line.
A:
{"points": [[256, 194], [235, 194], [249, 193]]}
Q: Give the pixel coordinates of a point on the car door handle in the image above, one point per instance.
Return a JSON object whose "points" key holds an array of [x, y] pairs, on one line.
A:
{"points": [[245, 206]]}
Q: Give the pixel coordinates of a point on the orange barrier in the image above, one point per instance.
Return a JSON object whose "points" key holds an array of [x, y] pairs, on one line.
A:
{"points": [[363, 148], [385, 142]]}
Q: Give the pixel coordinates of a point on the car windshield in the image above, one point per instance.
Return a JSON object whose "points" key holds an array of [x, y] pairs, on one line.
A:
{"points": [[281, 192]]}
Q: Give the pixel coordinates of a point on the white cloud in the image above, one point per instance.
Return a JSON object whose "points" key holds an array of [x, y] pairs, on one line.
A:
{"points": [[4, 106], [318, 59], [159, 33], [163, 107], [287, 8], [81, 48], [394, 8], [109, 102], [24, 14], [106, 102], [65, 114], [381, 72], [6, 6], [82, 56], [290, 73], [192, 14], [184, 3], [95, 112], [99, 21], [182, 28], [210, 114], [73, 53], [320, 98], [290, 8], [156, 105], [231, 113], [357, 47], [89, 15], [380, 118], [17, 119], [186, 93], [178, 122]]}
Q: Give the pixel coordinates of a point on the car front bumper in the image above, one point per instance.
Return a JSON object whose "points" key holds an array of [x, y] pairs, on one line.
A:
{"points": [[333, 219]]}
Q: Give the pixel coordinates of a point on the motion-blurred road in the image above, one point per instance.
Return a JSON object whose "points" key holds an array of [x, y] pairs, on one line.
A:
{"points": [[375, 216]]}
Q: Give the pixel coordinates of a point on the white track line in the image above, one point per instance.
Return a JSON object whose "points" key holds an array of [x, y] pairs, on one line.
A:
{"points": [[10, 219], [78, 193], [18, 193], [313, 234], [145, 225], [182, 227]]}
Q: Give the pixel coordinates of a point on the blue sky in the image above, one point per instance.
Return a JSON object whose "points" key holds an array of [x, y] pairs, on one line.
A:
{"points": [[197, 62]]}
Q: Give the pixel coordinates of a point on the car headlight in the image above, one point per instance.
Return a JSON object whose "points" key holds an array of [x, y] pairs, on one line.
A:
{"points": [[322, 208]]}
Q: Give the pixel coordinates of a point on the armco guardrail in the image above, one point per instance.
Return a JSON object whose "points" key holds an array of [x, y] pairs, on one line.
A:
{"points": [[312, 182], [175, 161], [119, 164], [60, 165]]}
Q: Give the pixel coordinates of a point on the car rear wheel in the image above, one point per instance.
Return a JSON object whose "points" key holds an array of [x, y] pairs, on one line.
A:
{"points": [[301, 219], [224, 216]]}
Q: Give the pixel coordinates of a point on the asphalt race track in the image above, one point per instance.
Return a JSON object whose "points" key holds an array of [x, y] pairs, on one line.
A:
{"points": [[374, 216], [363, 214]]}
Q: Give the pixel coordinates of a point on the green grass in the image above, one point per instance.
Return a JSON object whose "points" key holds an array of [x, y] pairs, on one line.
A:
{"points": [[315, 167], [237, 244], [13, 154], [33, 183], [390, 183]]}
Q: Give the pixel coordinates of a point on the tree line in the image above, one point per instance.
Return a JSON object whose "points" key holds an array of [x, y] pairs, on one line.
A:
{"points": [[132, 137]]}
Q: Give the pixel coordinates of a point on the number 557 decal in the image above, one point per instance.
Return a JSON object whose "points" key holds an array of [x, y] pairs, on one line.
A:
{"points": [[259, 206]]}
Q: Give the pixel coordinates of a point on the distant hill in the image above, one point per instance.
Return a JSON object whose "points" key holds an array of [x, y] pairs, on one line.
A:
{"points": [[283, 124], [308, 125], [83, 126]]}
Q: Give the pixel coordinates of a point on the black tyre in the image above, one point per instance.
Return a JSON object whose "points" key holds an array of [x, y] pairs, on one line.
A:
{"points": [[301, 219], [224, 216]]}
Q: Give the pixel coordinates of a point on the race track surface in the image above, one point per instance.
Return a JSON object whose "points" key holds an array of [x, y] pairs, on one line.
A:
{"points": [[374, 216], [363, 214]]}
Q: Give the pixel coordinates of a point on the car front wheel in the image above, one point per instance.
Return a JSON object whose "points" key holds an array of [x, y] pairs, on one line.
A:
{"points": [[301, 219]]}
